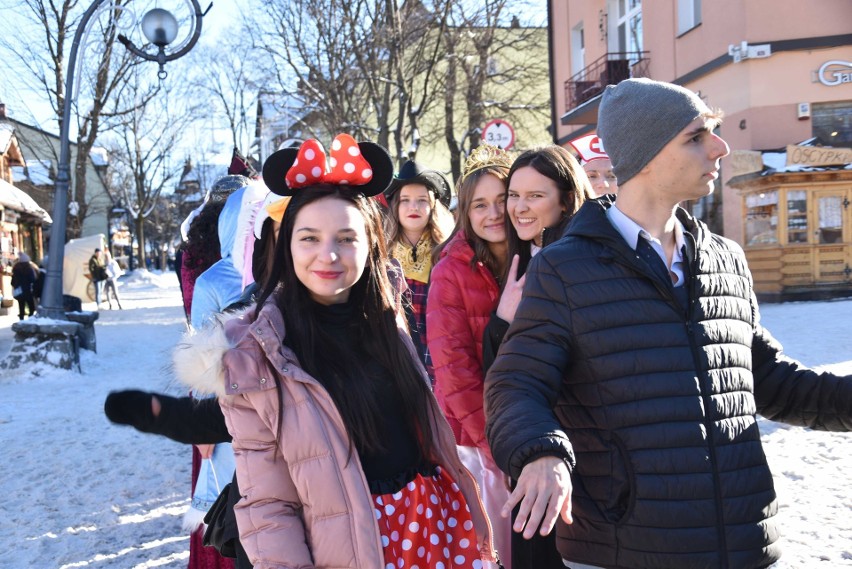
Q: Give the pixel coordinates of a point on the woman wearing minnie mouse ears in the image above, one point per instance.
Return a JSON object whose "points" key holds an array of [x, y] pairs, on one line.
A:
{"points": [[343, 456]]}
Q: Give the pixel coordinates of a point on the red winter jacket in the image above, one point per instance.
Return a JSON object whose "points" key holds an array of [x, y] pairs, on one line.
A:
{"points": [[460, 303]]}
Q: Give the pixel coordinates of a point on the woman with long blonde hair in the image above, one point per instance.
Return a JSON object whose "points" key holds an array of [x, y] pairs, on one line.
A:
{"points": [[417, 221]]}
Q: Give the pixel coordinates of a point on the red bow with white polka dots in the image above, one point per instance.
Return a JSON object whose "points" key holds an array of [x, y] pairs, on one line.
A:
{"points": [[347, 164]]}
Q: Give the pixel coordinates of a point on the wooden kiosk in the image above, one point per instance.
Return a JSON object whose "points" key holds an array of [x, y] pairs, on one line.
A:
{"points": [[797, 218]]}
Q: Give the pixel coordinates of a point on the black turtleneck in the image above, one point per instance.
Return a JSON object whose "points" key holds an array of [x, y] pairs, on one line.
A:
{"points": [[387, 470]]}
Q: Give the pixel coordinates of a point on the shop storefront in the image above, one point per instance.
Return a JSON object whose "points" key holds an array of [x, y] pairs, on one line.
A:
{"points": [[21, 222], [797, 228]]}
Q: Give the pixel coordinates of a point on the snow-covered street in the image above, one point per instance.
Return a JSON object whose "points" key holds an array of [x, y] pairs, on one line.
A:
{"points": [[81, 492]]}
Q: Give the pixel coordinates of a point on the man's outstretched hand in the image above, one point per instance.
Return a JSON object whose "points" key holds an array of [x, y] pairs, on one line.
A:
{"points": [[544, 493]]}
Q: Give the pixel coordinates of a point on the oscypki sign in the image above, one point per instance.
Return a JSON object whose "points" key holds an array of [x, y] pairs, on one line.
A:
{"points": [[498, 133]]}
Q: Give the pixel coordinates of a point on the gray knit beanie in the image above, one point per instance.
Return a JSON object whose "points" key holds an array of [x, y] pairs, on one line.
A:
{"points": [[638, 117]]}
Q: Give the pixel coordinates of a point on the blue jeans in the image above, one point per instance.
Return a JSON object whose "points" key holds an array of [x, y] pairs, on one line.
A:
{"points": [[99, 288]]}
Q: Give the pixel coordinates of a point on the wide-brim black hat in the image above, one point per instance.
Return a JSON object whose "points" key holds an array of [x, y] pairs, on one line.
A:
{"points": [[413, 173]]}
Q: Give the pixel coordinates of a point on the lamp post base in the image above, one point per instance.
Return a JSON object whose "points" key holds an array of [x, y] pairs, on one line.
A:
{"points": [[52, 342]]}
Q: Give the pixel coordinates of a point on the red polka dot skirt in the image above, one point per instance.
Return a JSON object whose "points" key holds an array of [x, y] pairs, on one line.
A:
{"points": [[427, 525]]}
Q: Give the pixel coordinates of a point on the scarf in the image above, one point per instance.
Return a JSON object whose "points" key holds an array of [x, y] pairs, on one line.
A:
{"points": [[416, 261]]}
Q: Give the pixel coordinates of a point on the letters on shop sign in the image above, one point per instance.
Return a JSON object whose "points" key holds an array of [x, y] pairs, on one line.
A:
{"points": [[835, 72], [816, 156]]}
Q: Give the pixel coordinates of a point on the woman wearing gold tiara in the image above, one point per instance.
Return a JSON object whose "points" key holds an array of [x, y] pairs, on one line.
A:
{"points": [[463, 293]]}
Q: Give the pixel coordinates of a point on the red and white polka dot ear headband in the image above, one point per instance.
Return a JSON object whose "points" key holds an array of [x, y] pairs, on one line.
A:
{"points": [[366, 167]]}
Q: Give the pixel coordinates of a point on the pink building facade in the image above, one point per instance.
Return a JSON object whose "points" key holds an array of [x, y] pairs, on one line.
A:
{"points": [[781, 70]]}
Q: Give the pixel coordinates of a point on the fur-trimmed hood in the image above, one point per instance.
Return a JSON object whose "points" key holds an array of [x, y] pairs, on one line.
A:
{"points": [[197, 358], [238, 352]]}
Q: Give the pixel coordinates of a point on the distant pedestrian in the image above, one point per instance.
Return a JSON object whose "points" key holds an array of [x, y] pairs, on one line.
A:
{"points": [[113, 271], [38, 287], [23, 280], [97, 272]]}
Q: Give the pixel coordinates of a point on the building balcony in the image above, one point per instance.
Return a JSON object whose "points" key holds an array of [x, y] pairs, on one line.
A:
{"points": [[612, 68]]}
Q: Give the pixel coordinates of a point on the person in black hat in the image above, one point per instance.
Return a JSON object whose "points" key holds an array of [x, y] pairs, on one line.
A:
{"points": [[416, 222]]}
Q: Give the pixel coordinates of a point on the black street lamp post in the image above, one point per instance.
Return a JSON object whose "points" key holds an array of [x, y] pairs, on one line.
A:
{"points": [[160, 28]]}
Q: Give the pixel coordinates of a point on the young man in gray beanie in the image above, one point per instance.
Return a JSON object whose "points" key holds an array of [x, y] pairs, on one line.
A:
{"points": [[623, 398]]}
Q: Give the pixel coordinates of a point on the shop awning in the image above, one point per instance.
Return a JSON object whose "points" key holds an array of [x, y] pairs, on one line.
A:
{"points": [[13, 198]]}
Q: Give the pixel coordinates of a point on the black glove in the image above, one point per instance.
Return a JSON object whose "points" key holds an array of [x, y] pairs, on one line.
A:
{"points": [[130, 407]]}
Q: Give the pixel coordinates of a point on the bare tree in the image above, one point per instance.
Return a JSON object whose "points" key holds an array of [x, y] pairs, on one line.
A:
{"points": [[364, 66], [419, 33], [162, 226], [491, 68], [142, 146], [103, 68], [376, 68], [231, 75]]}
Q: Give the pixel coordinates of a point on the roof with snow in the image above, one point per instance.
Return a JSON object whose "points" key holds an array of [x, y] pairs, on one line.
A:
{"points": [[99, 156], [775, 162], [37, 172], [205, 175], [6, 133], [16, 199]]}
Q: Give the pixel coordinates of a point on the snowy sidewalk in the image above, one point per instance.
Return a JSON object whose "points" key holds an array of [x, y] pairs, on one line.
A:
{"points": [[6, 320], [81, 492]]}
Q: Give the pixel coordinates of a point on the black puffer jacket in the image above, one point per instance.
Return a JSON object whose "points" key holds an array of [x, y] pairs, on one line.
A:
{"points": [[652, 404]]}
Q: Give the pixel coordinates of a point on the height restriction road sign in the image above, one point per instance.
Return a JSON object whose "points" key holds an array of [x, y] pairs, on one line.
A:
{"points": [[499, 133]]}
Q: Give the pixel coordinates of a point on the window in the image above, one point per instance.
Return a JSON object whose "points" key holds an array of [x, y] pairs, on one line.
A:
{"points": [[797, 216], [830, 219], [492, 67], [762, 218], [629, 25], [832, 123], [688, 15], [578, 49]]}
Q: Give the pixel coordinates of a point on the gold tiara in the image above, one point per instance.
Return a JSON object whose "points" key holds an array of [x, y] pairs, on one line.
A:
{"points": [[486, 155]]}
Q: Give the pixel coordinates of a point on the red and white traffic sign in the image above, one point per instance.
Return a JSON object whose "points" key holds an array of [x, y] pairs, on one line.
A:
{"points": [[498, 132]]}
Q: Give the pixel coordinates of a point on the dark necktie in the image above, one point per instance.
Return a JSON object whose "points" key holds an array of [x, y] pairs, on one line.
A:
{"points": [[653, 259]]}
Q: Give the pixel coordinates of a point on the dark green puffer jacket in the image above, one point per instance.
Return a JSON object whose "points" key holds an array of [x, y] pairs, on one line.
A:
{"points": [[651, 402]]}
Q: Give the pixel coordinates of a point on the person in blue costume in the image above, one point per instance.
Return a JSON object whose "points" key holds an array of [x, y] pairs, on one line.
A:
{"points": [[218, 287]]}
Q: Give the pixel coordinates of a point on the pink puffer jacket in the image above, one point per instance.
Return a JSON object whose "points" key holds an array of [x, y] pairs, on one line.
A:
{"points": [[305, 501]]}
